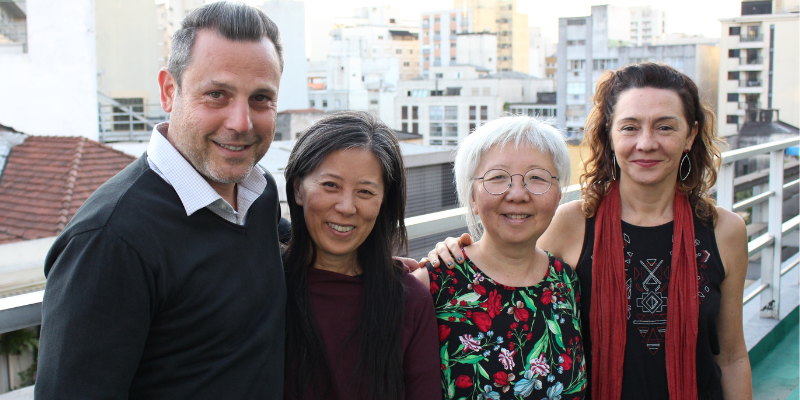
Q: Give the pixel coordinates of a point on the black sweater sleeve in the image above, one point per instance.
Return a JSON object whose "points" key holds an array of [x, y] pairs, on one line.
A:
{"points": [[95, 318]]}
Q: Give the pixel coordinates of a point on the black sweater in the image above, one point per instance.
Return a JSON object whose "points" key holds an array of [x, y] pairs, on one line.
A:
{"points": [[145, 302]]}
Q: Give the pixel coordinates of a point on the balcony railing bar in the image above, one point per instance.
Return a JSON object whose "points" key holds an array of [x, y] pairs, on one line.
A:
{"points": [[755, 293], [789, 267], [758, 199]]}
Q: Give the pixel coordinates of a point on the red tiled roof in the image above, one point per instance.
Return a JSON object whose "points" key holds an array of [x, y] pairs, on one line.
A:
{"points": [[47, 178]]}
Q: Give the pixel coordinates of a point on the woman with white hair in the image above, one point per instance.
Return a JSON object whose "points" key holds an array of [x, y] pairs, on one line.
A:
{"points": [[508, 312]]}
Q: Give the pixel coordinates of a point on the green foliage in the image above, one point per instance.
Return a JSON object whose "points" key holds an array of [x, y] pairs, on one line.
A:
{"points": [[18, 341]]}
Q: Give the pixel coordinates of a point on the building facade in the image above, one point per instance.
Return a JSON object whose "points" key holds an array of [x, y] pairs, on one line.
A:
{"points": [[445, 107], [589, 46], [647, 25], [439, 30], [760, 53]]}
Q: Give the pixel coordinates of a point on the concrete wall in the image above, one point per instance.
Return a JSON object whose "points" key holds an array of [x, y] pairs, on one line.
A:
{"points": [[52, 89], [290, 18], [786, 79], [128, 51]]}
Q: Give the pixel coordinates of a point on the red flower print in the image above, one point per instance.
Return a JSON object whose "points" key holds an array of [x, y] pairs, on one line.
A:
{"points": [[525, 327], [453, 301], [463, 382], [450, 272], [452, 290], [479, 289], [567, 364], [444, 367], [511, 346], [462, 319], [557, 264], [493, 304], [462, 303], [482, 320], [514, 325], [451, 319], [547, 296], [434, 287], [500, 378], [469, 314], [519, 312], [455, 281], [444, 332], [529, 336]]}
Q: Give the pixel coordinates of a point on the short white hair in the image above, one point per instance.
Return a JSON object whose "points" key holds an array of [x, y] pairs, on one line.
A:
{"points": [[516, 130]]}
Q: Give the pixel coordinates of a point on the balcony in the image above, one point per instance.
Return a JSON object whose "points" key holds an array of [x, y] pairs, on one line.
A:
{"points": [[750, 83], [751, 61], [769, 302], [756, 38]]}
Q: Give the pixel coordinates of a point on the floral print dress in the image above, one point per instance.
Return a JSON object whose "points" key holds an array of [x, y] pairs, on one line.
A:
{"points": [[502, 342]]}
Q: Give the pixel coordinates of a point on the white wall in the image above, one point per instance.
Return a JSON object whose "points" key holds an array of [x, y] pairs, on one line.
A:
{"points": [[290, 17], [52, 90]]}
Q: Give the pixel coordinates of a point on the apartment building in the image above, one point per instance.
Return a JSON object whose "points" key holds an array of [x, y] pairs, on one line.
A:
{"points": [[439, 30], [589, 46], [647, 25], [452, 101], [759, 68]]}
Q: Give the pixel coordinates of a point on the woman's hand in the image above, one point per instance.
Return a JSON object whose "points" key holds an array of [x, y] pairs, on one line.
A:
{"points": [[447, 250]]}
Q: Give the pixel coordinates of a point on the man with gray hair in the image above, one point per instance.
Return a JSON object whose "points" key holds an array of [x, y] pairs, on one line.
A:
{"points": [[167, 283]]}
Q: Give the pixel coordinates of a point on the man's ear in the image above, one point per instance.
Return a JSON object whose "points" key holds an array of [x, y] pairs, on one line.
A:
{"points": [[169, 89]]}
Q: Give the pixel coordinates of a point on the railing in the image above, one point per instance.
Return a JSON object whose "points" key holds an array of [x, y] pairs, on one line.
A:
{"points": [[127, 122], [23, 311], [751, 61], [750, 83], [756, 38], [15, 31], [769, 245]]}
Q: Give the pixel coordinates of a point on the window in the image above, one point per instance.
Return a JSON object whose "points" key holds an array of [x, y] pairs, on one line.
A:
{"points": [[418, 93], [574, 22], [472, 113], [576, 88], [373, 102], [733, 53], [452, 59], [436, 142], [451, 142], [414, 112], [405, 127], [733, 97], [451, 129], [734, 31], [391, 20], [406, 64], [733, 76], [324, 103], [410, 51], [124, 117], [437, 92], [436, 129], [471, 127], [602, 65], [484, 113], [398, 51], [576, 42], [732, 119], [436, 113], [454, 91], [311, 103], [487, 91], [380, 37], [576, 65], [436, 19], [414, 127], [439, 75], [451, 112]]}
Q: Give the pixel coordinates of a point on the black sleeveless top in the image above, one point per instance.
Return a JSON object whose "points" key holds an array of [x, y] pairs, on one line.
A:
{"points": [[648, 258]]}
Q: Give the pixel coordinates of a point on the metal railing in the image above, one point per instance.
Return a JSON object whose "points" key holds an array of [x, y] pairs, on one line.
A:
{"points": [[23, 311], [755, 38], [751, 61], [769, 245], [750, 83]]}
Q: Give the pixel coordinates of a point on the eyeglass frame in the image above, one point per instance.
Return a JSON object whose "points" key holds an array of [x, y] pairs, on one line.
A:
{"points": [[511, 182]]}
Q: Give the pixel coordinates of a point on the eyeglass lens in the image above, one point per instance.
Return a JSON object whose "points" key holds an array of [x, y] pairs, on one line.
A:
{"points": [[498, 181]]}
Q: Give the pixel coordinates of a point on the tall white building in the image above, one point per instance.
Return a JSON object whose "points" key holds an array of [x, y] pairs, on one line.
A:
{"points": [[760, 53], [589, 46], [289, 15], [369, 53], [541, 48], [48, 68], [647, 25], [452, 101]]}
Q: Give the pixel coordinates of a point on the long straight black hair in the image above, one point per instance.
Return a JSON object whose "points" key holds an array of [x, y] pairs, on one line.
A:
{"points": [[380, 361]]}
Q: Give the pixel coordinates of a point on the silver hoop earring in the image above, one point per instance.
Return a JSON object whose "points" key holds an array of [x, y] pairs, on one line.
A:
{"points": [[680, 167], [614, 167]]}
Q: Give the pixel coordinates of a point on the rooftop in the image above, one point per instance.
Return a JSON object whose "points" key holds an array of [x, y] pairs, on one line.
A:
{"points": [[46, 179]]}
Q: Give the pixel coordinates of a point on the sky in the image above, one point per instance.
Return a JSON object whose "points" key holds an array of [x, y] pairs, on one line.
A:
{"points": [[683, 16]]}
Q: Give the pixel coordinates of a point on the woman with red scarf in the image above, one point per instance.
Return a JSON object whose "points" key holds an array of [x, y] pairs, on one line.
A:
{"points": [[662, 269]]}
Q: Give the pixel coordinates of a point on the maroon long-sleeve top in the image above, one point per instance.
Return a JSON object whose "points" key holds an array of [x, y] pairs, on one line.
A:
{"points": [[337, 301]]}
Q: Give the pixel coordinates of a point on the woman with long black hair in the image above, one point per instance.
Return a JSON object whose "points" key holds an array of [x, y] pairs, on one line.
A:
{"points": [[359, 326]]}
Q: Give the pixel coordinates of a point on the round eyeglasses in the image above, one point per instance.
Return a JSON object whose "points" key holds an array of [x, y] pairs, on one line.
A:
{"points": [[536, 181]]}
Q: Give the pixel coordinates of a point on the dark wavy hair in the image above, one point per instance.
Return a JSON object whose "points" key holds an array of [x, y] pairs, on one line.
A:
{"points": [[380, 359], [704, 154]]}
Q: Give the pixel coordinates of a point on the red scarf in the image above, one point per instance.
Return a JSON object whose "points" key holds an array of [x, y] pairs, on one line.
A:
{"points": [[609, 303]]}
